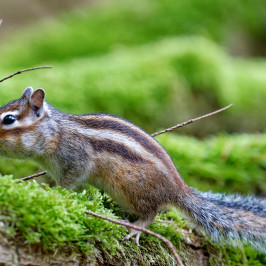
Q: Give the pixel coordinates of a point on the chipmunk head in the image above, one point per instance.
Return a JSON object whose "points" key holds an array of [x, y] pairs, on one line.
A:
{"points": [[19, 120]]}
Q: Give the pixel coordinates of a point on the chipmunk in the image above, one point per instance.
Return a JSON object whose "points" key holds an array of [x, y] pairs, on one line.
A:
{"points": [[118, 157]]}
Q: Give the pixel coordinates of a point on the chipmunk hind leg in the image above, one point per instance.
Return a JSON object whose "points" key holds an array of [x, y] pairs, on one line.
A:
{"points": [[143, 221]]}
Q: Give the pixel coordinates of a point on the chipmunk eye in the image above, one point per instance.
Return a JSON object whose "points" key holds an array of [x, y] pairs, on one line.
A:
{"points": [[9, 119]]}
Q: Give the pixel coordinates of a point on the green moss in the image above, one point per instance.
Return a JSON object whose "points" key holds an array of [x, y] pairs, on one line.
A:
{"points": [[226, 163], [98, 28], [53, 215], [54, 218], [155, 63], [18, 168], [157, 85]]}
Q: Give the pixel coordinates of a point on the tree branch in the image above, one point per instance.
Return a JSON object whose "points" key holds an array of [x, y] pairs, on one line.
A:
{"points": [[23, 70], [163, 239], [190, 121]]}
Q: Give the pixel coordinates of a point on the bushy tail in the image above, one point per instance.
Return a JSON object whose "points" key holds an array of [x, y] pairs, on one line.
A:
{"points": [[231, 218]]}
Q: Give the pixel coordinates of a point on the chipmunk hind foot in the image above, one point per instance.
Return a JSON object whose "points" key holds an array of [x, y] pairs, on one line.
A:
{"points": [[142, 222]]}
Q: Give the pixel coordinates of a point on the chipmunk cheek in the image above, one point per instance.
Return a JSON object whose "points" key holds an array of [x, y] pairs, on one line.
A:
{"points": [[10, 141]]}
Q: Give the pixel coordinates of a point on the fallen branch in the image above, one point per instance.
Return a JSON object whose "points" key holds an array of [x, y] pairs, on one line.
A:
{"points": [[163, 239], [26, 178], [190, 121], [23, 70]]}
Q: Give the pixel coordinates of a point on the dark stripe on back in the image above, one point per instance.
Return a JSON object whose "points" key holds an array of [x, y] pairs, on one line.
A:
{"points": [[142, 138], [116, 148]]}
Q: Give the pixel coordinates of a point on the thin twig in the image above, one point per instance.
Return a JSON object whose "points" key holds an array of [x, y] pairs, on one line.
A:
{"points": [[23, 70], [163, 239], [26, 178], [153, 135], [190, 121]]}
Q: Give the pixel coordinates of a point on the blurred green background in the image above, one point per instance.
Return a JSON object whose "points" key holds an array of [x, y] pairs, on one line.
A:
{"points": [[156, 63]]}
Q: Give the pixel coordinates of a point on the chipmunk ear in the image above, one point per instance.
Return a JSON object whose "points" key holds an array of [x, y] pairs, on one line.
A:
{"points": [[37, 98], [27, 93]]}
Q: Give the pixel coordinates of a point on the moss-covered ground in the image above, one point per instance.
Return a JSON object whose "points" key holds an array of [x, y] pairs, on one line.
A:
{"points": [[55, 218]]}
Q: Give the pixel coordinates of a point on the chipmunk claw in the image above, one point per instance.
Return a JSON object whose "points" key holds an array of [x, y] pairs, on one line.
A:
{"points": [[133, 233], [143, 223]]}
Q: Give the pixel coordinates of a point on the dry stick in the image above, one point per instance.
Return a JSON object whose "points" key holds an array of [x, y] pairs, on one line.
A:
{"points": [[163, 239], [26, 178], [190, 121], [23, 70]]}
